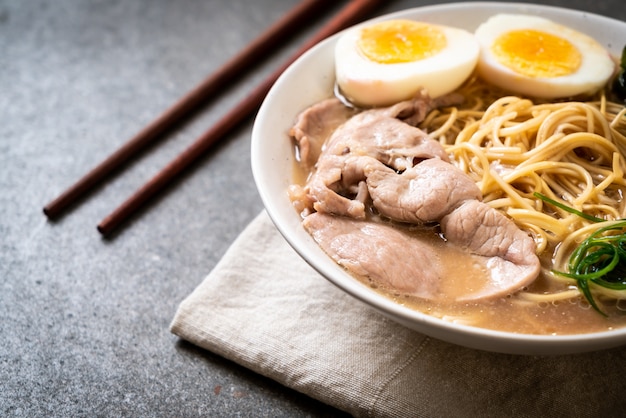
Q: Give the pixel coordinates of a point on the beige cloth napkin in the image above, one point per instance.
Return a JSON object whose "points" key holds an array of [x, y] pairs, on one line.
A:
{"points": [[266, 309]]}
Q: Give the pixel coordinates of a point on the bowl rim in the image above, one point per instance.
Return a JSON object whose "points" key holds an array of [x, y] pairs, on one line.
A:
{"points": [[466, 335]]}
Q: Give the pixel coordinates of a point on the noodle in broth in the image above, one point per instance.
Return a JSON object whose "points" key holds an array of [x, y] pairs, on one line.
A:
{"points": [[571, 152]]}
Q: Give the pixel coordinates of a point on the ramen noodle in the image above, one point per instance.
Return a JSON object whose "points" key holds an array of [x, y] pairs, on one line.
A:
{"points": [[571, 152]]}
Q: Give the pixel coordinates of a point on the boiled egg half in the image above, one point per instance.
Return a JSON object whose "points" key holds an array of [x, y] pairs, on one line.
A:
{"points": [[534, 56], [386, 62]]}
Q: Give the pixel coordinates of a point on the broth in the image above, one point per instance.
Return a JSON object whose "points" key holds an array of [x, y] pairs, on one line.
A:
{"points": [[513, 313], [518, 312]]}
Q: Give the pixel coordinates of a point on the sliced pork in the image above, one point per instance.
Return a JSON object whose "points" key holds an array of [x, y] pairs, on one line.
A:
{"points": [[413, 264], [380, 159], [382, 134], [424, 193], [315, 125], [379, 134], [485, 231], [335, 186], [379, 252]]}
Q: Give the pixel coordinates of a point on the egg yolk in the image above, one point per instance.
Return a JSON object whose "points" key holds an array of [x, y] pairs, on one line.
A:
{"points": [[399, 41], [534, 53]]}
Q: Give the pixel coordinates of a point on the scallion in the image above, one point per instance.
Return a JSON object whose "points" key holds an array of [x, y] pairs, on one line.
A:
{"points": [[567, 208], [600, 259]]}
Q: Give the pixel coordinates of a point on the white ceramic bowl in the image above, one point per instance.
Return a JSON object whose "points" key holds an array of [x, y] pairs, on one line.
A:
{"points": [[311, 79]]}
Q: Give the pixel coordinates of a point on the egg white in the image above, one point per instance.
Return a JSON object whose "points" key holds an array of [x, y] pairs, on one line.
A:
{"points": [[595, 69], [369, 83]]}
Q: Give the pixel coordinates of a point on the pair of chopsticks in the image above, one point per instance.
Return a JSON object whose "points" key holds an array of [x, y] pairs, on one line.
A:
{"points": [[351, 14]]}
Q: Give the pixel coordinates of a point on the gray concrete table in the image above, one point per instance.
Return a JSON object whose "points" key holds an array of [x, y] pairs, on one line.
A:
{"points": [[84, 320]]}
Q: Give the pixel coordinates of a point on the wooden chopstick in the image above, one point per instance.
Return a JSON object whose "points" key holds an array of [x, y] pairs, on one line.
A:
{"points": [[294, 20], [349, 15]]}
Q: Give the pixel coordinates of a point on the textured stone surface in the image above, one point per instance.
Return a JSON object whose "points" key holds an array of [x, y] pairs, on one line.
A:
{"points": [[84, 320]]}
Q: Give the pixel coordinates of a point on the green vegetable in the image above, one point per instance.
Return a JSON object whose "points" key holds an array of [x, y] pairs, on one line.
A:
{"points": [[600, 259], [567, 208], [619, 84]]}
